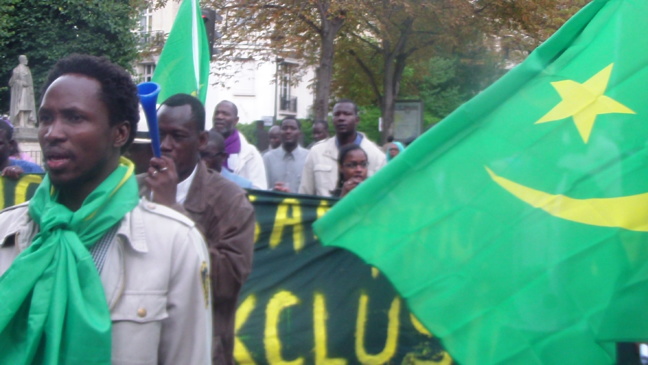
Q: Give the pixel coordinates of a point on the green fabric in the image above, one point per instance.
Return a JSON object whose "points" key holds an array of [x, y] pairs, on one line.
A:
{"points": [[53, 308], [184, 62], [459, 224]]}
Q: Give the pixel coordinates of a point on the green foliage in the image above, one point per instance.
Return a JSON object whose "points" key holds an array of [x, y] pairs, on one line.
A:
{"points": [[46, 31], [248, 131], [443, 83], [449, 82], [369, 116]]}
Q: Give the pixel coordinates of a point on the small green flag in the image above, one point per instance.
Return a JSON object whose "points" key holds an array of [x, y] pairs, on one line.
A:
{"points": [[184, 63], [517, 228]]}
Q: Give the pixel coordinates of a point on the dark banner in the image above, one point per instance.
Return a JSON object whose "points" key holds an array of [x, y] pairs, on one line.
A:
{"points": [[309, 304], [305, 303]]}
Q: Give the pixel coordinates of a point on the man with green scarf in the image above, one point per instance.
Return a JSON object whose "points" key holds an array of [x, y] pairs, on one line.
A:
{"points": [[91, 274]]}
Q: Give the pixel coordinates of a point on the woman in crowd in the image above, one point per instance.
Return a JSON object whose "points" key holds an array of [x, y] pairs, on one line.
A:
{"points": [[393, 149], [352, 168]]}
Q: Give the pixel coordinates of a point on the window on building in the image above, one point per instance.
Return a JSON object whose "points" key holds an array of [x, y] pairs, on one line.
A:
{"points": [[146, 21], [145, 72], [287, 102], [146, 25]]}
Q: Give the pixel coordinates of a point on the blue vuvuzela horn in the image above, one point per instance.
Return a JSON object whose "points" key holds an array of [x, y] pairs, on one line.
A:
{"points": [[148, 93]]}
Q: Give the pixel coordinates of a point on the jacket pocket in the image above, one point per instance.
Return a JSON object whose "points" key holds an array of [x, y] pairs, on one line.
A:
{"points": [[322, 168], [137, 325], [140, 307]]}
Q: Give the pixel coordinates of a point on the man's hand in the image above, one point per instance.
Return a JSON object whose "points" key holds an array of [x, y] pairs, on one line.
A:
{"points": [[280, 186], [12, 172], [350, 185], [162, 179]]}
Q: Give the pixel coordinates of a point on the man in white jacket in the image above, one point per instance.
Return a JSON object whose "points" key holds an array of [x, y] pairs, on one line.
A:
{"points": [[89, 273], [243, 158], [320, 173]]}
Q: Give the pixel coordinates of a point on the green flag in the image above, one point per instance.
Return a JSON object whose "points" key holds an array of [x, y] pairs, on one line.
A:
{"points": [[516, 229], [184, 63]]}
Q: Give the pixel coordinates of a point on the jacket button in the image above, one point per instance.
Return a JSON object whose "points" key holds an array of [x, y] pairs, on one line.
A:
{"points": [[141, 312]]}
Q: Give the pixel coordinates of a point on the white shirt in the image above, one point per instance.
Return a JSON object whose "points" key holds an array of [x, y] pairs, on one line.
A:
{"points": [[184, 185]]}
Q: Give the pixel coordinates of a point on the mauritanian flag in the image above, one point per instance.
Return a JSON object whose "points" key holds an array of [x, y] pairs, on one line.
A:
{"points": [[184, 63], [517, 229]]}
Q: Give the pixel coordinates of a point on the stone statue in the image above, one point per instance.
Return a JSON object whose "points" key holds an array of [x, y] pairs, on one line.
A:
{"points": [[22, 110]]}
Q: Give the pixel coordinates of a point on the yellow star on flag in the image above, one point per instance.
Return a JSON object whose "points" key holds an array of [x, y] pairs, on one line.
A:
{"points": [[584, 102]]}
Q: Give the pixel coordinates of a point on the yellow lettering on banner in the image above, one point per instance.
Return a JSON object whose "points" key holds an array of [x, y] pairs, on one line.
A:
{"points": [[241, 353], [257, 227], [23, 185], [419, 326], [319, 326], [323, 207], [392, 333], [282, 220], [278, 303], [374, 272]]}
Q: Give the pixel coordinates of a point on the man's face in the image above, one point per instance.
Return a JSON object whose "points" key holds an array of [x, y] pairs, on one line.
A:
{"points": [[180, 138], [319, 132], [5, 147], [224, 119], [345, 119], [290, 132], [80, 147], [23, 60], [274, 137], [213, 156]]}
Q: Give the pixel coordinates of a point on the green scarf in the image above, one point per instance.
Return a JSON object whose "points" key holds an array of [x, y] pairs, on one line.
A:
{"points": [[53, 309]]}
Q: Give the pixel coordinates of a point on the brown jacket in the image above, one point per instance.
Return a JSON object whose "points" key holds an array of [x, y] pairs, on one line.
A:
{"points": [[222, 212]]}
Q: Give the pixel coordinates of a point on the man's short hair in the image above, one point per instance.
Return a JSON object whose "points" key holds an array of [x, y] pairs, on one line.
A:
{"points": [[355, 107], [234, 108], [118, 91], [197, 109], [216, 139], [323, 123], [7, 128], [291, 118]]}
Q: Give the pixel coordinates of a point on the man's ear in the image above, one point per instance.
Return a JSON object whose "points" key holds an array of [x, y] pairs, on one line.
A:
{"points": [[202, 139], [236, 121], [121, 132]]}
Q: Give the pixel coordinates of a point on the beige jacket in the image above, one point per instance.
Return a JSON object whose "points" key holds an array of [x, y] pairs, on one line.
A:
{"points": [[155, 280], [225, 216], [320, 174]]}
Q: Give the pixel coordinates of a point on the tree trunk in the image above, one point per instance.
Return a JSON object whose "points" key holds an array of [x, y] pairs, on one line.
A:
{"points": [[330, 26], [395, 61], [388, 98], [324, 74]]}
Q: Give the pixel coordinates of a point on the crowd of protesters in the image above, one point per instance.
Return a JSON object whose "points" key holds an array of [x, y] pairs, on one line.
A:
{"points": [[165, 252]]}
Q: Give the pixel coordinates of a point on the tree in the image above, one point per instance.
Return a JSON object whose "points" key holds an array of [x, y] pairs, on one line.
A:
{"points": [[389, 35], [305, 30], [46, 31]]}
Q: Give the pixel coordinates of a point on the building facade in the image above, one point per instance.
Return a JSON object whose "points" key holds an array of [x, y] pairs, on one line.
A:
{"points": [[261, 89]]}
